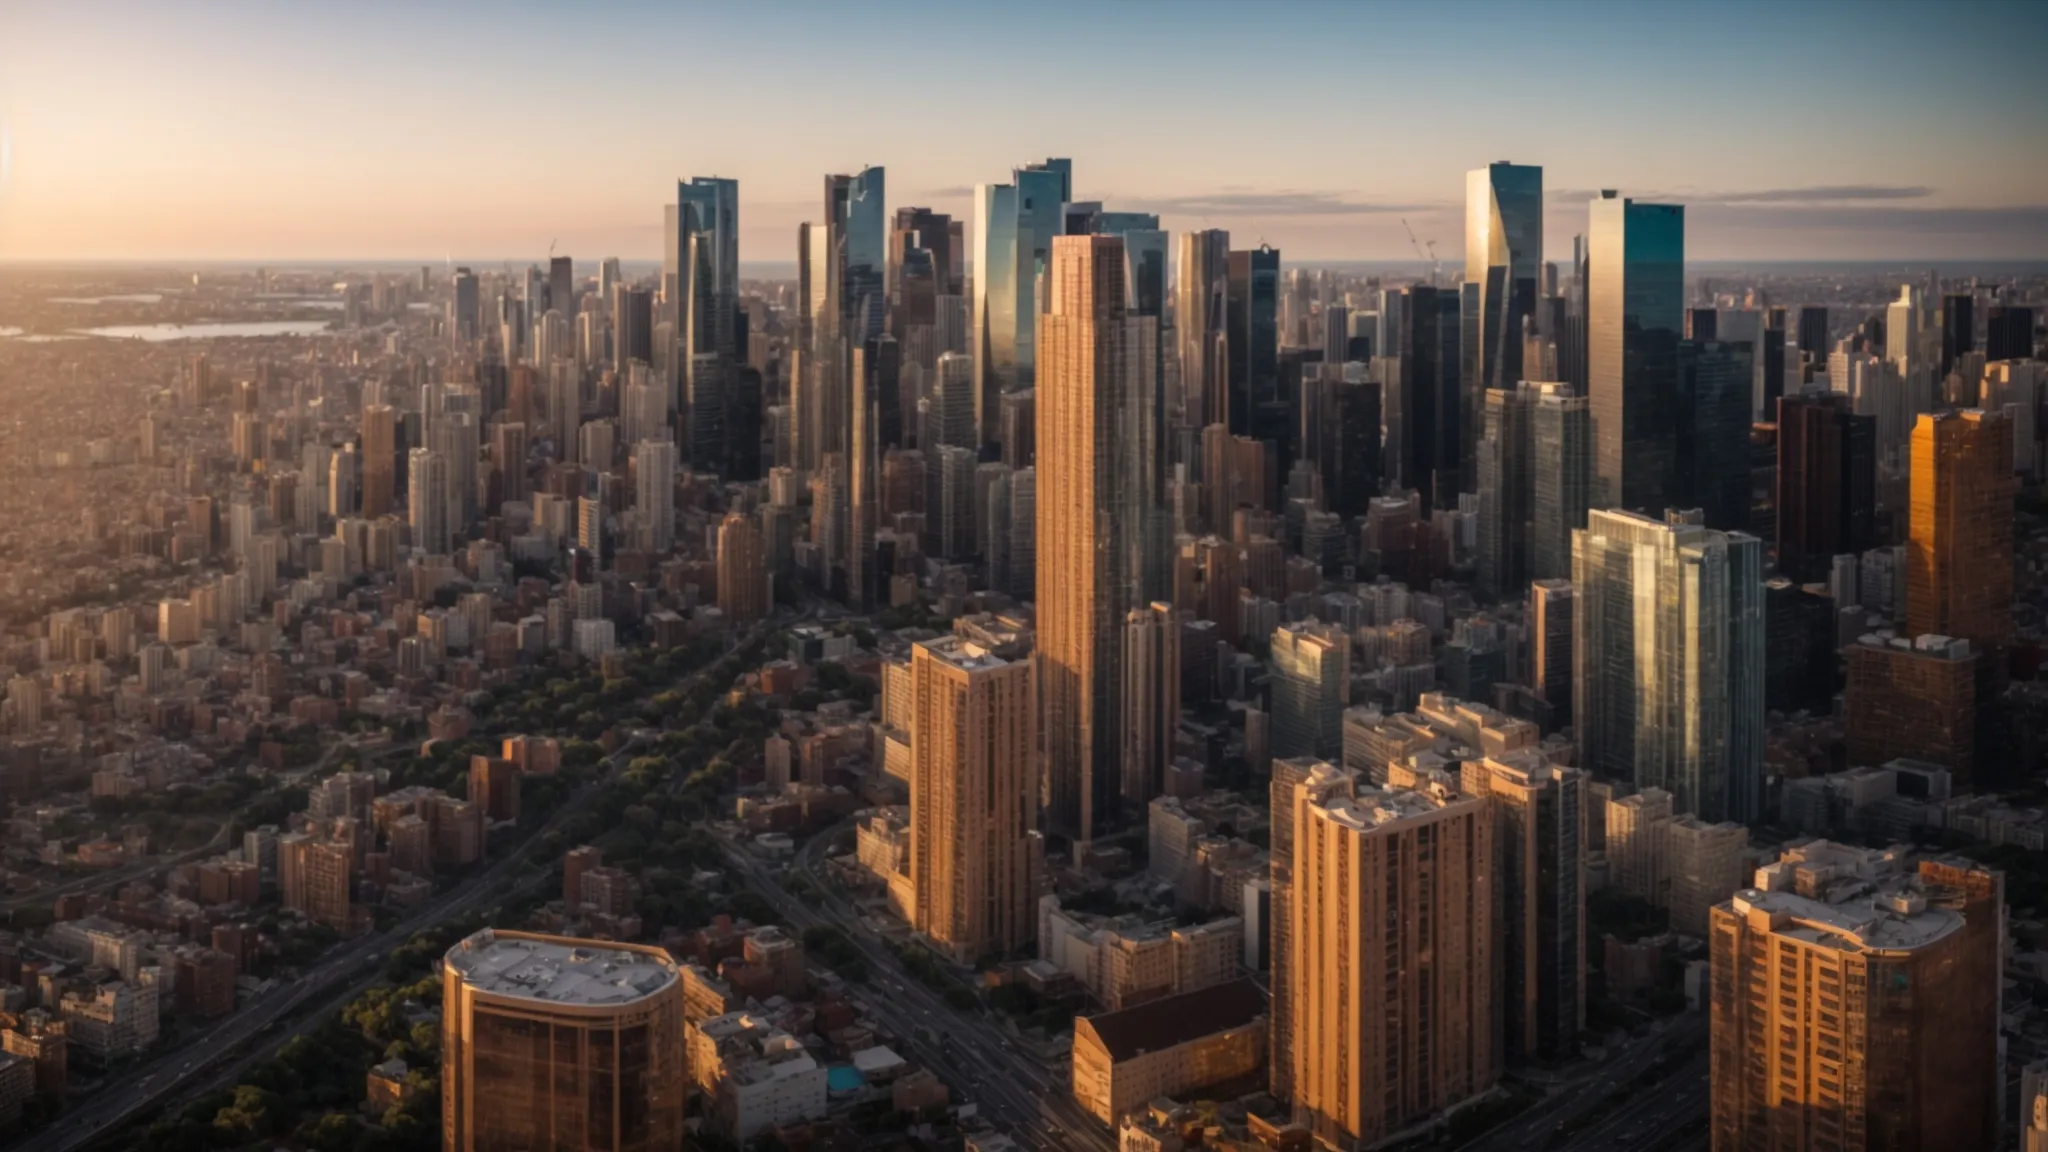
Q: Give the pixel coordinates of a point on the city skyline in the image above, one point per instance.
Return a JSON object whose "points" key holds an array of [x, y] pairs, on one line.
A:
{"points": [[169, 153]]}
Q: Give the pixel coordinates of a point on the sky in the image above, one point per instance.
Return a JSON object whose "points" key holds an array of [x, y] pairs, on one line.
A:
{"points": [[374, 130]]}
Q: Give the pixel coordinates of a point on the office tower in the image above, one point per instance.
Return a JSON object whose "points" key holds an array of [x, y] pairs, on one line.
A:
{"points": [[707, 389], [1023, 551], [1635, 300], [701, 266], [1959, 567], [1252, 341], [1091, 509], [1813, 332], [1561, 476], [742, 569], [1669, 674], [1311, 680], [380, 459], [508, 457], [1424, 422], [632, 326], [1200, 316], [1151, 691], [1826, 484], [1915, 699], [1552, 638], [456, 437], [863, 498], [1352, 475], [933, 234], [1388, 954], [562, 286], [464, 320], [427, 495], [1507, 478], [1014, 226], [2009, 333], [973, 790], [1958, 330], [654, 484], [1711, 471], [1539, 889], [342, 470], [1855, 1004], [543, 1036], [1503, 256]]}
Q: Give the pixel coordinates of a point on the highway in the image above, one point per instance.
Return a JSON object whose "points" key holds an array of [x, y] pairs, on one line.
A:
{"points": [[1534, 1128], [1015, 1092], [1652, 1119]]}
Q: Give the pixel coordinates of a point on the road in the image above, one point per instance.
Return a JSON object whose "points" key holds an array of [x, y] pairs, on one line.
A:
{"points": [[1652, 1119], [1533, 1128], [978, 1062]]}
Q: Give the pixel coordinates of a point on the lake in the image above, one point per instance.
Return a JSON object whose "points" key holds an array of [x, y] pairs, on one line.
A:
{"points": [[157, 333]]}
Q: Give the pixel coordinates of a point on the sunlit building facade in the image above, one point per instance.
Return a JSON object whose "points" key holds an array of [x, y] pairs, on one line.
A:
{"points": [[1635, 314]]}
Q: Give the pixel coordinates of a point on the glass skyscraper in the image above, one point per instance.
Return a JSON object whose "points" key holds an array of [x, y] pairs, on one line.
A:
{"points": [[1013, 228], [1669, 668], [1503, 266], [1635, 312]]}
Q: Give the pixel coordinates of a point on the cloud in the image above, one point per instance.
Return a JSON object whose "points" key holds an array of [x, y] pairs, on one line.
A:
{"points": [[2023, 223], [1816, 194], [1240, 202], [950, 192]]}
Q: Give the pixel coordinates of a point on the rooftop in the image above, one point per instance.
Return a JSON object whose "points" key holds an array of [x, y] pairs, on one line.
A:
{"points": [[560, 970], [1171, 1021], [1845, 898]]}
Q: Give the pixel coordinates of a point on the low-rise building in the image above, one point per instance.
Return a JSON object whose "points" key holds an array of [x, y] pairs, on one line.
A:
{"points": [[1212, 1038]]}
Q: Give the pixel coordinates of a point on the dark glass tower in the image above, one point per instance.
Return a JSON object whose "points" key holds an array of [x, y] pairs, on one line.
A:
{"points": [[1827, 482], [1635, 308], [1254, 339], [1503, 271]]}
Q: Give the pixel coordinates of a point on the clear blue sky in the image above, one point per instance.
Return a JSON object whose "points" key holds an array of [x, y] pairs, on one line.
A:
{"points": [[224, 130]]}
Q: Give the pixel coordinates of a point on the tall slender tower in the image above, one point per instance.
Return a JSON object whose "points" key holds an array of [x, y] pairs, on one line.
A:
{"points": [[427, 491], [1959, 556], [380, 459], [1201, 293], [1561, 475], [1151, 690], [973, 847], [1635, 313], [1014, 227], [1504, 262], [1089, 523], [1311, 677]]}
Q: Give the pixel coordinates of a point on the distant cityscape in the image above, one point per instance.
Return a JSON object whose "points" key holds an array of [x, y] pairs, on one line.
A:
{"points": [[1027, 680]]}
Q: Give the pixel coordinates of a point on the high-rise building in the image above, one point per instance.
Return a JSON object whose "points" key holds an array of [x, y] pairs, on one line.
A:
{"points": [[1503, 259], [1552, 639], [380, 459], [1387, 957], [1200, 303], [1091, 508], [1827, 482], [1252, 345], [1813, 333], [1915, 699], [1715, 381], [1426, 439], [427, 490], [1151, 701], [1507, 480], [544, 1036], [1561, 477], [1539, 890], [1959, 566], [1958, 330], [2009, 333], [1668, 688], [973, 799], [1635, 829], [654, 483], [1014, 227], [1311, 680], [1635, 303], [1854, 1004], [742, 569]]}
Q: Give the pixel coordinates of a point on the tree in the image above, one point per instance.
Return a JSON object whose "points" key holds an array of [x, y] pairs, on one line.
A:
{"points": [[253, 1114]]}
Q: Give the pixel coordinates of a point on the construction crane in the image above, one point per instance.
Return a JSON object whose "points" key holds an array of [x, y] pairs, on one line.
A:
{"points": [[1435, 265]]}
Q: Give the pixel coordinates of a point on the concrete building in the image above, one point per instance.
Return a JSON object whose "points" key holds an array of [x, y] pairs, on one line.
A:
{"points": [[545, 1035], [1210, 1039], [973, 799], [743, 592], [1854, 1004], [1539, 811], [755, 1075], [1915, 699], [1389, 954], [1311, 679]]}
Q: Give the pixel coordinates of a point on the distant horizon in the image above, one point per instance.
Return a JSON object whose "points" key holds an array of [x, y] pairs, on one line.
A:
{"points": [[219, 131]]}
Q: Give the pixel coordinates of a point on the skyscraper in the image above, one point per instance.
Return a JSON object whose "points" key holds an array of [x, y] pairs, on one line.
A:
{"points": [[1670, 660], [1635, 302], [1388, 955], [1854, 1004], [1090, 516], [1561, 474], [1539, 887], [1014, 226], [1503, 260], [1311, 680], [380, 459], [973, 847], [1958, 330], [654, 496], [1200, 316], [1712, 466], [427, 492], [1552, 638], [1959, 567], [1151, 690], [542, 1036], [2009, 333], [1827, 482], [1507, 475], [1426, 415], [1253, 344], [742, 569]]}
